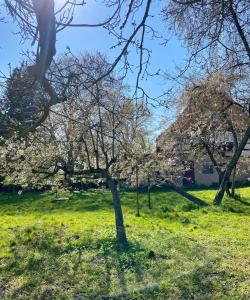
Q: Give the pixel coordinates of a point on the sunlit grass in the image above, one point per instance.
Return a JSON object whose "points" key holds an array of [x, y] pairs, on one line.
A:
{"points": [[67, 249]]}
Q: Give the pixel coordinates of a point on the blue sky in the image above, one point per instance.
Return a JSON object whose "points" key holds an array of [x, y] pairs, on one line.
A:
{"points": [[93, 39]]}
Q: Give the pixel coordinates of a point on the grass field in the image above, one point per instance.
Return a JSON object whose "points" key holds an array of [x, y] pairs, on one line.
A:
{"points": [[67, 249]]}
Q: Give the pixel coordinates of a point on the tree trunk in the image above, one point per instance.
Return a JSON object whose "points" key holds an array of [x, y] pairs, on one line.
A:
{"points": [[222, 188], [149, 194], [137, 194], [232, 194], [186, 195], [217, 168], [221, 174], [232, 164], [120, 229]]}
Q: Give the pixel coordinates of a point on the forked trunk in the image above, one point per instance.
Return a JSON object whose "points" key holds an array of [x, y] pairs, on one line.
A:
{"points": [[232, 164], [221, 175], [120, 229], [222, 188]]}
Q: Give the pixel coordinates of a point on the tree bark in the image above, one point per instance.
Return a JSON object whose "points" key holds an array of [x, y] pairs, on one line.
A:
{"points": [[232, 194], [120, 229], [215, 164], [221, 174], [186, 195], [232, 164]]}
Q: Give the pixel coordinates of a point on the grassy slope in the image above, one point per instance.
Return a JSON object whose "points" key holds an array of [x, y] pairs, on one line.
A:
{"points": [[67, 250]]}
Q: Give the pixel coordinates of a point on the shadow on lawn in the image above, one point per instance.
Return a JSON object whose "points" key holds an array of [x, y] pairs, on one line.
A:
{"points": [[133, 260], [163, 202], [36, 202], [243, 202], [50, 263], [237, 206], [54, 263], [204, 282]]}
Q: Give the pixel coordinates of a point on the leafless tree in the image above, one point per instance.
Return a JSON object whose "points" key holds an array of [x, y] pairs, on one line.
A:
{"points": [[216, 33]]}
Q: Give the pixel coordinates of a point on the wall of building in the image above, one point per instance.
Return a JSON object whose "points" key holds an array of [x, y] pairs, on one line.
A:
{"points": [[206, 179], [243, 173]]}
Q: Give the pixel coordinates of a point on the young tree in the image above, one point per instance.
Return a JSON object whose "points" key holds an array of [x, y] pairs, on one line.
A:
{"points": [[138, 151]]}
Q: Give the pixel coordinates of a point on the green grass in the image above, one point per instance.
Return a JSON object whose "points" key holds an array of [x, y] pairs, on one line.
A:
{"points": [[67, 250]]}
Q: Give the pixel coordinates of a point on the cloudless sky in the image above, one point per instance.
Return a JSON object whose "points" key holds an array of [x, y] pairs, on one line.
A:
{"points": [[97, 39]]}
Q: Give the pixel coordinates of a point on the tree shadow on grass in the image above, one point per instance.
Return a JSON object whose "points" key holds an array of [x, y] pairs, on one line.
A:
{"points": [[238, 206], [162, 202], [50, 263], [204, 282], [122, 263], [42, 203], [243, 202], [35, 202], [208, 281]]}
